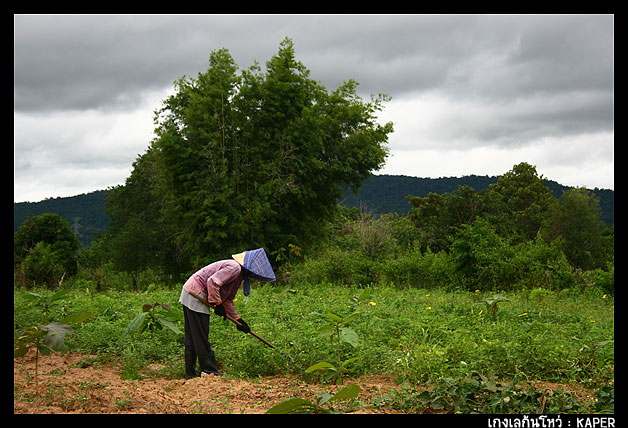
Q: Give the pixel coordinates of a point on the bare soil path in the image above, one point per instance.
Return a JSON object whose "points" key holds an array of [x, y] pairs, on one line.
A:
{"points": [[67, 385]]}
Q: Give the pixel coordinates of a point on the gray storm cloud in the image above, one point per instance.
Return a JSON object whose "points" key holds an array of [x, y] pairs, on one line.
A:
{"points": [[457, 81]]}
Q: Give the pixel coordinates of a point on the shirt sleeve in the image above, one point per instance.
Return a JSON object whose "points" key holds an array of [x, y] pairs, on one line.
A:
{"points": [[213, 291], [230, 309], [224, 275]]}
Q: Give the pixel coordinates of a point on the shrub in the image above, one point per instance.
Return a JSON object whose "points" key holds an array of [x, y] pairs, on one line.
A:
{"points": [[51, 237], [483, 260], [416, 269], [42, 266], [542, 264], [478, 393], [603, 279], [338, 267]]}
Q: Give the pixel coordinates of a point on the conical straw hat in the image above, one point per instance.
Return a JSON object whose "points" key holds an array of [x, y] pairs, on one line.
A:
{"points": [[239, 257], [257, 264]]}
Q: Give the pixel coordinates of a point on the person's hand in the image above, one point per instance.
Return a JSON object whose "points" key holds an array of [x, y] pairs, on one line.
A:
{"points": [[243, 327], [219, 310]]}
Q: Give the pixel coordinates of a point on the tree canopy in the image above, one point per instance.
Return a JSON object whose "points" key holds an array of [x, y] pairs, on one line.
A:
{"points": [[244, 160], [517, 209], [45, 249]]}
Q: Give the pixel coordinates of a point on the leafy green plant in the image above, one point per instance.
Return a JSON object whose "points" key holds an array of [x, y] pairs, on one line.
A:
{"points": [[491, 304], [45, 303], [589, 357], [41, 267], [150, 320], [535, 341], [337, 329], [301, 405], [540, 294], [591, 348], [477, 393], [47, 339], [605, 400]]}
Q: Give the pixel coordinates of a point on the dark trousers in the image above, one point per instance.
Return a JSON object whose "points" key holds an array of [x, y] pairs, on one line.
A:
{"points": [[196, 341]]}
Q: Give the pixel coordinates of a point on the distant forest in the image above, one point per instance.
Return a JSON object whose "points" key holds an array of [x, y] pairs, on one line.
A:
{"points": [[378, 195], [382, 194], [85, 213]]}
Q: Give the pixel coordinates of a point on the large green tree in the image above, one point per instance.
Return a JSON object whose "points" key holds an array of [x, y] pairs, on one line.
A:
{"points": [[519, 202], [586, 240], [138, 238], [516, 207], [437, 216], [44, 248], [250, 159]]}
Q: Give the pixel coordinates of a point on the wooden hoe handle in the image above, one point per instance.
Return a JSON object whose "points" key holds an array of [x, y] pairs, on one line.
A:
{"points": [[233, 320]]}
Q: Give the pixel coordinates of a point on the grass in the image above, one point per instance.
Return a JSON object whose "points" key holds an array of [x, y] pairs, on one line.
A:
{"points": [[417, 335]]}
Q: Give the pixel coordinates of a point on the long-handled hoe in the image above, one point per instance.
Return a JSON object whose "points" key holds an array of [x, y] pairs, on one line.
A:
{"points": [[266, 342]]}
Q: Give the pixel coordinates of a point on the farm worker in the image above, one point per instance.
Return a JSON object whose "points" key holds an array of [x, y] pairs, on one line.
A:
{"points": [[217, 285]]}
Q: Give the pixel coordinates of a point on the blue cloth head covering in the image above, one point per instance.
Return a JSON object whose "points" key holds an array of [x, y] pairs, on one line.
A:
{"points": [[257, 266]]}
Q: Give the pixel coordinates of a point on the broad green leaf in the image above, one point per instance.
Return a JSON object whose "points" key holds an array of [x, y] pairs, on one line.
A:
{"points": [[133, 325], [349, 391], [360, 309], [496, 298], [172, 315], [333, 317], [323, 365], [489, 381], [54, 338], [366, 294], [170, 325], [77, 318], [350, 318], [59, 295], [292, 405], [349, 361], [323, 398], [44, 350], [20, 350], [349, 336], [32, 296], [33, 333], [326, 331]]}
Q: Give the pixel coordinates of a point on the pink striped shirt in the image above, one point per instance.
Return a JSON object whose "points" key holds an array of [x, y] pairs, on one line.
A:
{"points": [[218, 281]]}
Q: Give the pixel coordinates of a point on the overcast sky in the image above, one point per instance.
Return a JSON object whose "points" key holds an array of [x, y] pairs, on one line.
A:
{"points": [[471, 94]]}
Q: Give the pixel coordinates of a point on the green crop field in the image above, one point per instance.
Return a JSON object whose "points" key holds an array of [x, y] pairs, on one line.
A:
{"points": [[448, 351]]}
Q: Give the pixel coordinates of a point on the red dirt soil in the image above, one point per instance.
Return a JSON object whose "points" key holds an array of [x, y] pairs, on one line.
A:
{"points": [[66, 387]]}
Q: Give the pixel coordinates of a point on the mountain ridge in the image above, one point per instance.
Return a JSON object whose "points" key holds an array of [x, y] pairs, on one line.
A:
{"points": [[378, 195]]}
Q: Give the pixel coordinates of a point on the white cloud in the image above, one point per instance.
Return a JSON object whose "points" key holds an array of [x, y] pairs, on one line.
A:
{"points": [[441, 120], [472, 94], [70, 152], [583, 161]]}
